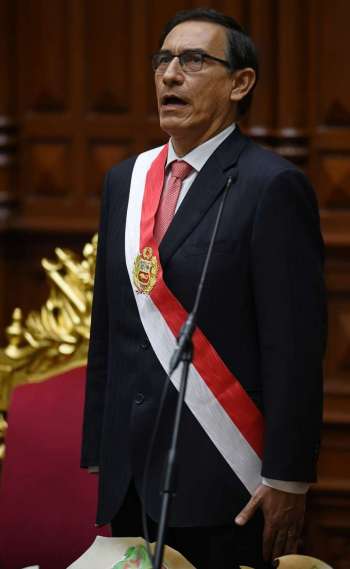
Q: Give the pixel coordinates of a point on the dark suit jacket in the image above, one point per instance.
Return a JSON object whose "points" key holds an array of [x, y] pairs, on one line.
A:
{"points": [[263, 309]]}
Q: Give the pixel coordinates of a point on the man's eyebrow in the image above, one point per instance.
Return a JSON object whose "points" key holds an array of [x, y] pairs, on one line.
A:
{"points": [[196, 49]]}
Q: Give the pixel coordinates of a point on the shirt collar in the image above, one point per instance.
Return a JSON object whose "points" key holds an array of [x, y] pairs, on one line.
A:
{"points": [[199, 155]]}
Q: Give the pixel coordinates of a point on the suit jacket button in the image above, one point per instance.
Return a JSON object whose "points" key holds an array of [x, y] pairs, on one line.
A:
{"points": [[139, 399], [144, 345]]}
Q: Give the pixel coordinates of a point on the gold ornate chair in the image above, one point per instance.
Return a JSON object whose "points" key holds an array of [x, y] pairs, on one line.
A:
{"points": [[55, 338], [47, 503]]}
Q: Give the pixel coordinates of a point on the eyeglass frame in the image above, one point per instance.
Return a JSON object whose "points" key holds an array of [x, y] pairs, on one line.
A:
{"points": [[204, 55]]}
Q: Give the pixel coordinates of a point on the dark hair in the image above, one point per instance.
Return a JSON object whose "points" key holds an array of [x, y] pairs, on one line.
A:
{"points": [[241, 51]]}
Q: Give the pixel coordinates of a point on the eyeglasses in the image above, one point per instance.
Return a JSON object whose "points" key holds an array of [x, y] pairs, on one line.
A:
{"points": [[190, 60]]}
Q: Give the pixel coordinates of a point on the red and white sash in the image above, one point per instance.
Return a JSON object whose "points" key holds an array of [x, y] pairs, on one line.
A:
{"points": [[214, 395]]}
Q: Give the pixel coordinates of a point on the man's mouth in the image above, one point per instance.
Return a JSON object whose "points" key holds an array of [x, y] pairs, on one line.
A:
{"points": [[172, 101]]}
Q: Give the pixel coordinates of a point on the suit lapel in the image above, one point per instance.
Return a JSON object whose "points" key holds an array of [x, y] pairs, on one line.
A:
{"points": [[205, 190]]}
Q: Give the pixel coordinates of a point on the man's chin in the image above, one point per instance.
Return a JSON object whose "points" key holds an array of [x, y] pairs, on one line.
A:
{"points": [[172, 125]]}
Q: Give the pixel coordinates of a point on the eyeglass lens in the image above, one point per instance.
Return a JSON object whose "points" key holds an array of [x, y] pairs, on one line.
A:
{"points": [[189, 61]]}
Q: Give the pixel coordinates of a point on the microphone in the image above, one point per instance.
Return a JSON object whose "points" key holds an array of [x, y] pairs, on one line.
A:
{"points": [[182, 353], [186, 332], [188, 327]]}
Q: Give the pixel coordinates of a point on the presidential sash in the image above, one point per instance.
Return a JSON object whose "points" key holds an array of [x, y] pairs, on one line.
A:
{"points": [[214, 395]]}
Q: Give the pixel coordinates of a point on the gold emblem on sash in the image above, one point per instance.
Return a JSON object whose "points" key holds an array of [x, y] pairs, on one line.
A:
{"points": [[145, 271]]}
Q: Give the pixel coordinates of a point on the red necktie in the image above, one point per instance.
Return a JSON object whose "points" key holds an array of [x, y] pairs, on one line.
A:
{"points": [[170, 194]]}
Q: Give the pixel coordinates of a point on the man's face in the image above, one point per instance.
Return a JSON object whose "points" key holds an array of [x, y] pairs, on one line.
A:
{"points": [[201, 106]]}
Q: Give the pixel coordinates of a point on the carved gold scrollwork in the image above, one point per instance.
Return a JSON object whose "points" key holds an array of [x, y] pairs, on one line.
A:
{"points": [[3, 428], [56, 337]]}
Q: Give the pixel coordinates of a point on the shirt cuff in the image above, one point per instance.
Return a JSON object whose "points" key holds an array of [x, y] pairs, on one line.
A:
{"points": [[93, 469], [292, 487]]}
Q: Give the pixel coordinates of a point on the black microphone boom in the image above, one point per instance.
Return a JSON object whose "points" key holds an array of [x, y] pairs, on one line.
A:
{"points": [[182, 353], [190, 324]]}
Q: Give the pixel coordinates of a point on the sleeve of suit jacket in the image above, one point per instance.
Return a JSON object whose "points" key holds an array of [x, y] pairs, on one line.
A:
{"points": [[98, 350], [287, 267]]}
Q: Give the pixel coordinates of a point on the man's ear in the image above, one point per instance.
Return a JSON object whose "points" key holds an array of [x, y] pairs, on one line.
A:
{"points": [[243, 81]]}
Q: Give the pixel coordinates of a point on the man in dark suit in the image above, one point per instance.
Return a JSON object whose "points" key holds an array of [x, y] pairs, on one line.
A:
{"points": [[249, 437]]}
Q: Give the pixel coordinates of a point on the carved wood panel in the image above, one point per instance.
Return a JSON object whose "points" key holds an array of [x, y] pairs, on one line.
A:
{"points": [[7, 111], [107, 69], [333, 105], [102, 155], [329, 110], [43, 42], [328, 117]]}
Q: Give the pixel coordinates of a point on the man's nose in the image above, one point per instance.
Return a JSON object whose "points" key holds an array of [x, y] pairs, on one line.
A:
{"points": [[173, 73]]}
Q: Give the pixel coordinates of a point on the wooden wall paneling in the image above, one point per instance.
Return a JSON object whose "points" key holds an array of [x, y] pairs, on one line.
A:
{"points": [[107, 60], [293, 72], [328, 536], [328, 526], [328, 520], [262, 26], [78, 86], [140, 70], [337, 365], [3, 287], [145, 125], [114, 111], [334, 179], [293, 66], [49, 168], [8, 143], [47, 163], [45, 94], [333, 103], [43, 45], [330, 158], [7, 58], [334, 463], [329, 112], [8, 125], [278, 116], [102, 155]]}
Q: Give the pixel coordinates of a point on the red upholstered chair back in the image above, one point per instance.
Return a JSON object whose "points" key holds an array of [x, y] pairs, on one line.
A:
{"points": [[47, 503]]}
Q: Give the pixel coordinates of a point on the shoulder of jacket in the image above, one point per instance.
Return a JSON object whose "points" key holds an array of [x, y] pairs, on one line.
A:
{"points": [[262, 167], [272, 162]]}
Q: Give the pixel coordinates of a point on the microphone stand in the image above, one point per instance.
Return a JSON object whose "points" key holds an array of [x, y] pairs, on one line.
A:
{"points": [[183, 353]]}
